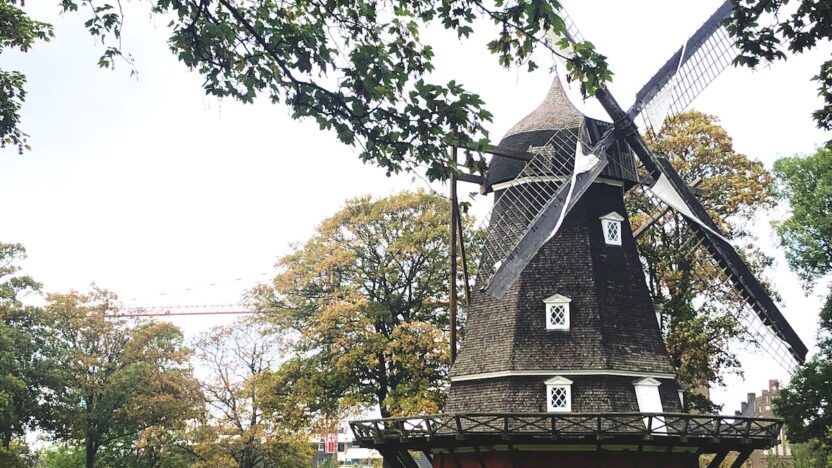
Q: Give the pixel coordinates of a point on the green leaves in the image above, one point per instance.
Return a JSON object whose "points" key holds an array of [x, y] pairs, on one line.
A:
{"points": [[763, 34], [110, 380], [17, 31], [805, 402], [806, 234], [357, 68]]}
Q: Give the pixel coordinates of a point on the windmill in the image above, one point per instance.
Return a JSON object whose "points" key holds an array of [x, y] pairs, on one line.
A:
{"points": [[510, 245], [562, 347]]}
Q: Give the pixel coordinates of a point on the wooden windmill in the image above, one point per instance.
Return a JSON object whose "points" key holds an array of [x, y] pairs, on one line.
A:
{"points": [[563, 358]]}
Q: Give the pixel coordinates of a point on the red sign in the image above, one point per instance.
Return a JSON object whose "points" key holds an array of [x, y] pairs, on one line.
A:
{"points": [[331, 443]]}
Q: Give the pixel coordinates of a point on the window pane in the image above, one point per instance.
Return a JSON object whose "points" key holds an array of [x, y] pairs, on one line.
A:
{"points": [[557, 397]]}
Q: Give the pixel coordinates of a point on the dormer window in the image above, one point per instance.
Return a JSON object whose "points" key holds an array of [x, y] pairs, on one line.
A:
{"points": [[649, 401], [557, 312], [558, 395], [611, 226]]}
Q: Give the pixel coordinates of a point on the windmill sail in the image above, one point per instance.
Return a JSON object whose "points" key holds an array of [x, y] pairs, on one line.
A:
{"points": [[688, 72], [767, 318], [670, 90]]}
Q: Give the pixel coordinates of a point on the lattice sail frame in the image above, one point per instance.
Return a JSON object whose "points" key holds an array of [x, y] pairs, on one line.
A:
{"points": [[720, 293], [688, 72], [521, 205]]}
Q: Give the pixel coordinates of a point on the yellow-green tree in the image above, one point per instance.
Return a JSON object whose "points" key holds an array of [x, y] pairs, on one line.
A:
{"points": [[734, 189], [113, 380], [367, 299]]}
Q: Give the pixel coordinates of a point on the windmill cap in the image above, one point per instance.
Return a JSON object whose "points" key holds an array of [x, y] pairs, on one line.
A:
{"points": [[556, 112]]}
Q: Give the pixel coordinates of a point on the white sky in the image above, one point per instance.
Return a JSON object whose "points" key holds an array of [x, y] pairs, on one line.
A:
{"points": [[146, 186]]}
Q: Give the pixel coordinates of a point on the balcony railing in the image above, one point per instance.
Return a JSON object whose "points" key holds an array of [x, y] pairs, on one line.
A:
{"points": [[641, 428]]}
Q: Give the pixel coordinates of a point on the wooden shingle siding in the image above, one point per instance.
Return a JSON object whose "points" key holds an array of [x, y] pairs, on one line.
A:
{"points": [[612, 322]]}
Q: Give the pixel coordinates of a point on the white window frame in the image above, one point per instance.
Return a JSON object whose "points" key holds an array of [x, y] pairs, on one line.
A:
{"points": [[558, 383], [606, 221], [551, 303]]}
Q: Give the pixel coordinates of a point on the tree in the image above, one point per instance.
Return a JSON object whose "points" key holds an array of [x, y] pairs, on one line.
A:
{"points": [[806, 183], [23, 368], [804, 404], [367, 298], [733, 189], [806, 234], [17, 31], [763, 31], [359, 68], [114, 380], [238, 433]]}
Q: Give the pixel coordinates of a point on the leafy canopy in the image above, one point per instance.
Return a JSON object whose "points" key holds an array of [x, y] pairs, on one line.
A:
{"points": [[806, 403], [361, 69], [765, 29], [114, 380], [23, 365], [806, 234], [17, 31], [367, 297], [806, 183]]}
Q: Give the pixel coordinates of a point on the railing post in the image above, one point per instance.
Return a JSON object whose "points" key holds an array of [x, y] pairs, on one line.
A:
{"points": [[685, 428], [718, 422]]}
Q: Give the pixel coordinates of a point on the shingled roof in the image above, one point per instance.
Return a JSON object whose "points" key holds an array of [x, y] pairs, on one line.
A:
{"points": [[556, 112]]}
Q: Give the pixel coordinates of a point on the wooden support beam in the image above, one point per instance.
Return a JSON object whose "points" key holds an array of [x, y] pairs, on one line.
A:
{"points": [[453, 239], [480, 456], [465, 279], [455, 457], [741, 458], [502, 151], [398, 458], [720, 456], [470, 178]]}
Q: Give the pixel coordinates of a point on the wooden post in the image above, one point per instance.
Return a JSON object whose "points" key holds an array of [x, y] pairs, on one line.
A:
{"points": [[453, 298], [465, 280]]}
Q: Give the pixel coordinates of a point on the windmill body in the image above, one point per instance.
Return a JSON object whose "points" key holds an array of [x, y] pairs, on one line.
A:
{"points": [[609, 342]]}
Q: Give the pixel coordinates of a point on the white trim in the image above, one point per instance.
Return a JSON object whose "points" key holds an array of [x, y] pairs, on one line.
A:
{"points": [[557, 299], [612, 215], [532, 373], [647, 382], [526, 180], [558, 380]]}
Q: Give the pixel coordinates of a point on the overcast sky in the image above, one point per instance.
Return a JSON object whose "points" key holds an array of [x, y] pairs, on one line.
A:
{"points": [[148, 188]]}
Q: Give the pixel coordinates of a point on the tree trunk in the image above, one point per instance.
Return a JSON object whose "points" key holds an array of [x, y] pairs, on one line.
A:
{"points": [[91, 450]]}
